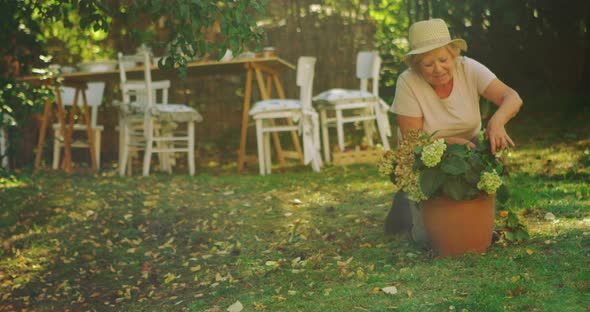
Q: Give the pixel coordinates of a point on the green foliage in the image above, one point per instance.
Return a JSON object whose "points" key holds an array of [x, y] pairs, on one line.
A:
{"points": [[458, 172], [27, 97], [392, 24], [70, 42], [512, 229], [20, 38], [201, 28]]}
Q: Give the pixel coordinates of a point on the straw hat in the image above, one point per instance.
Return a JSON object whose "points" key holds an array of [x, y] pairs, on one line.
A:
{"points": [[431, 34]]}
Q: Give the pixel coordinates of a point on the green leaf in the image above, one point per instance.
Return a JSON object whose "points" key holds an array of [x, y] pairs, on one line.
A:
{"points": [[454, 188], [458, 150], [521, 235], [499, 168], [430, 180], [471, 193], [476, 162], [509, 236], [512, 220], [454, 165], [472, 175], [502, 194]]}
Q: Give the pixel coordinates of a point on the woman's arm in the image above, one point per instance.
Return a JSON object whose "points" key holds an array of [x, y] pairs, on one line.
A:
{"points": [[407, 123], [509, 103]]}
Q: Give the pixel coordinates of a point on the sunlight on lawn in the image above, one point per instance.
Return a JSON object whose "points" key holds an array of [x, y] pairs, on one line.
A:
{"points": [[11, 182], [557, 159], [560, 227]]}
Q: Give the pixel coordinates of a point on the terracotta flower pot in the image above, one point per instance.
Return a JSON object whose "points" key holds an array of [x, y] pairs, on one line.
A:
{"points": [[457, 227]]}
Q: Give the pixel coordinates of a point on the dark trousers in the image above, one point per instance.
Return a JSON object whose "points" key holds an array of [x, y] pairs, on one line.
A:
{"points": [[405, 217]]}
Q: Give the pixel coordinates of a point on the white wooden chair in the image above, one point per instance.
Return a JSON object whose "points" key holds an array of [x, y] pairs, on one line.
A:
{"points": [[94, 95], [305, 119], [150, 127], [133, 95], [340, 106]]}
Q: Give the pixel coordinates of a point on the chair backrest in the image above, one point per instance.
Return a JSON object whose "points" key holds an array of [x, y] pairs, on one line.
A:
{"points": [[94, 96], [126, 62], [143, 92], [305, 73], [132, 91], [368, 66]]}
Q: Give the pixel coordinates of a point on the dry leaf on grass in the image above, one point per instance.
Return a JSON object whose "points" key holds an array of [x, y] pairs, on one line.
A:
{"points": [[236, 307], [391, 290]]}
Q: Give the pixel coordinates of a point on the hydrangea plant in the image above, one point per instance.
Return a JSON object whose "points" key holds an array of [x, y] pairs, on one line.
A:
{"points": [[426, 168]]}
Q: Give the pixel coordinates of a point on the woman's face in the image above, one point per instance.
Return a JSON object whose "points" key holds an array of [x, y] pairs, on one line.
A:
{"points": [[437, 67]]}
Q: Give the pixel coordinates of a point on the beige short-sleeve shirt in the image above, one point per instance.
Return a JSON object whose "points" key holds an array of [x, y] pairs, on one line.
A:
{"points": [[457, 115]]}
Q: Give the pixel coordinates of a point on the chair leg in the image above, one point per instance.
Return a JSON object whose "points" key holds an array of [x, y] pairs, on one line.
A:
{"points": [[56, 149], [124, 152], [383, 135], [367, 126], [260, 145], [129, 162], [97, 138], [325, 135], [267, 153], [340, 129], [121, 140], [147, 156], [191, 148], [163, 157]]}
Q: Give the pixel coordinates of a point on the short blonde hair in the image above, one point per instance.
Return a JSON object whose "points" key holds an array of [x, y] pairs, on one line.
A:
{"points": [[413, 61]]}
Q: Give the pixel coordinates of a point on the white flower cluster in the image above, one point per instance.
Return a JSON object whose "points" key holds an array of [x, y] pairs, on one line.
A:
{"points": [[489, 182], [432, 153]]}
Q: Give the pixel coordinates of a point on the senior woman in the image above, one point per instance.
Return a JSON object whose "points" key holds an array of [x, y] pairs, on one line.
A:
{"points": [[440, 91]]}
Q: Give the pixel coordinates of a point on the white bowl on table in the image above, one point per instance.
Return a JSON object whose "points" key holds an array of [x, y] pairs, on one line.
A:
{"points": [[128, 64], [97, 66], [68, 69]]}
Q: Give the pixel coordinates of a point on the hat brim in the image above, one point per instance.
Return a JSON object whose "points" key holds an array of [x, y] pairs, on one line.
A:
{"points": [[459, 43]]}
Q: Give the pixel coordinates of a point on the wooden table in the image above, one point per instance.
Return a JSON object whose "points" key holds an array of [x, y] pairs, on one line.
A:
{"points": [[264, 70]]}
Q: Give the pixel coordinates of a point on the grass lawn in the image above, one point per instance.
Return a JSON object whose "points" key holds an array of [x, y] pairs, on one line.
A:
{"points": [[292, 241]]}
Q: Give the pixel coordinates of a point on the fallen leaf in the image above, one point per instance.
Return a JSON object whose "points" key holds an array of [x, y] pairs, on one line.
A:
{"points": [[549, 216], [236, 307], [392, 290], [530, 251], [169, 278], [196, 268]]}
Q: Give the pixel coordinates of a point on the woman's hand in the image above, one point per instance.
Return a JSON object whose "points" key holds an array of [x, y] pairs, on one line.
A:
{"points": [[499, 138], [509, 103], [459, 141]]}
